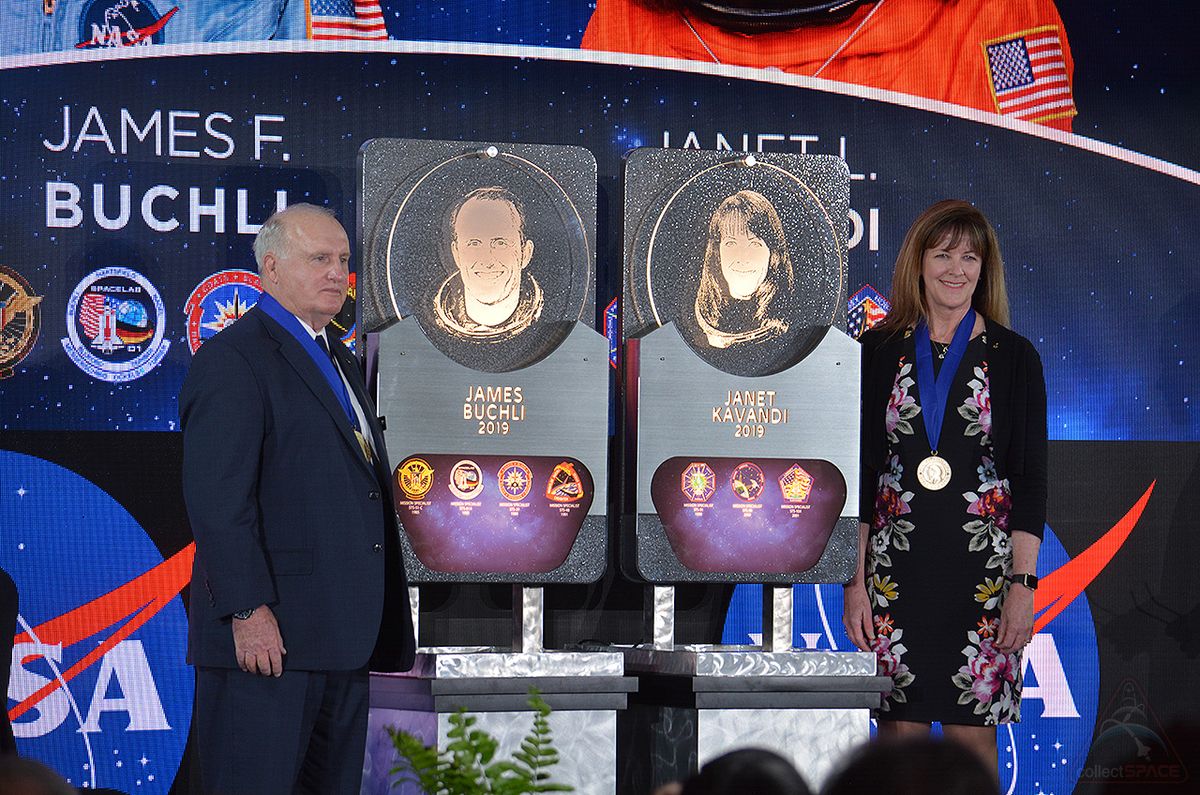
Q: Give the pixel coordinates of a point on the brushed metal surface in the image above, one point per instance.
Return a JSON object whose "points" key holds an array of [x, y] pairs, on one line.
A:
{"points": [[703, 660], [659, 610], [815, 740], [480, 662], [421, 393], [527, 624], [677, 392], [586, 741], [777, 617]]}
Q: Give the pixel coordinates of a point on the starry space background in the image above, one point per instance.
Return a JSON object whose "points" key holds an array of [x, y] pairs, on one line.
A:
{"points": [[1100, 252], [1099, 271]]}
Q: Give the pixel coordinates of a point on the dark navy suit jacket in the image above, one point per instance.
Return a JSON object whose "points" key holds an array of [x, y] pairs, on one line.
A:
{"points": [[285, 509]]}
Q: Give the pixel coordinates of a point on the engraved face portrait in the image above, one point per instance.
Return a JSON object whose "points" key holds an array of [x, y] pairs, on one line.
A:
{"points": [[746, 260], [489, 251], [492, 294], [746, 275]]}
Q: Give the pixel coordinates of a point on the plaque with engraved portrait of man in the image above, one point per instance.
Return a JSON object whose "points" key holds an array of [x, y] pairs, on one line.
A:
{"points": [[745, 254], [489, 248], [493, 294]]}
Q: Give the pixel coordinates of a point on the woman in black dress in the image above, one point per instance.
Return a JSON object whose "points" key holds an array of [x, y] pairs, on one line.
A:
{"points": [[953, 487]]}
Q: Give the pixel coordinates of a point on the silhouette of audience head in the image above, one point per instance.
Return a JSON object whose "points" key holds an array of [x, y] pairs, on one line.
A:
{"points": [[912, 766], [747, 770], [26, 777]]}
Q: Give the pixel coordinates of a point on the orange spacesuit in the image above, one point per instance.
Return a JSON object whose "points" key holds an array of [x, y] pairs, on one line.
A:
{"points": [[1008, 57]]}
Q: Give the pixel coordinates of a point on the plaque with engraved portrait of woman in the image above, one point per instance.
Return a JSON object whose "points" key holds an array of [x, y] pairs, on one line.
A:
{"points": [[490, 248], [745, 254]]}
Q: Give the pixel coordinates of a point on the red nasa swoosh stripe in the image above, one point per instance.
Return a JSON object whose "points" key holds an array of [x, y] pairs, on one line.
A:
{"points": [[1060, 587], [140, 599]]}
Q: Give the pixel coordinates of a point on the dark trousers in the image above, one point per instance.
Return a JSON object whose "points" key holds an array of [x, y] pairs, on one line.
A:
{"points": [[303, 732]]}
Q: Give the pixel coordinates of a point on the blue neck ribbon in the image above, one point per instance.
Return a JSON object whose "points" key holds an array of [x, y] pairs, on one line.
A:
{"points": [[934, 394], [289, 321]]}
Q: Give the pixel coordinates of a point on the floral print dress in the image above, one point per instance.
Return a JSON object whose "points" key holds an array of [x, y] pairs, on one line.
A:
{"points": [[937, 560]]}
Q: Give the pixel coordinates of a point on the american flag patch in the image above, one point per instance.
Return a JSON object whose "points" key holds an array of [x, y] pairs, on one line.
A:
{"points": [[1028, 74], [91, 312], [346, 19], [866, 308]]}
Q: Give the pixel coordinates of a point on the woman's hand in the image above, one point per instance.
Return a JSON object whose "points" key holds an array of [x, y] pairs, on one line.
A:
{"points": [[1016, 619], [856, 615]]}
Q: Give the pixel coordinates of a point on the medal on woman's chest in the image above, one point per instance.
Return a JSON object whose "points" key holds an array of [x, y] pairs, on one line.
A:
{"points": [[934, 472]]}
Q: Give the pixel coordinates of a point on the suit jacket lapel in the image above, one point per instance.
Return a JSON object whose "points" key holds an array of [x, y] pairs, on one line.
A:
{"points": [[349, 367], [306, 368]]}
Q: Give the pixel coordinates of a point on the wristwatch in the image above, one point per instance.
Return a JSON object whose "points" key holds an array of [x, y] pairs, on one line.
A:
{"points": [[1030, 581], [242, 615]]}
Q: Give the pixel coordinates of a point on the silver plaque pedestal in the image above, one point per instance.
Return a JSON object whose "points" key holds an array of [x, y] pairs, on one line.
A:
{"points": [[585, 689], [697, 702]]}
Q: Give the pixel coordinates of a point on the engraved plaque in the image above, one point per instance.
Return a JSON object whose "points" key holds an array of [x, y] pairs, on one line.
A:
{"points": [[743, 385], [477, 287]]}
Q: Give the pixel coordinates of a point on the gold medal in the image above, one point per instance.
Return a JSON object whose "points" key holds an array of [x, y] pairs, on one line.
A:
{"points": [[934, 472], [365, 445]]}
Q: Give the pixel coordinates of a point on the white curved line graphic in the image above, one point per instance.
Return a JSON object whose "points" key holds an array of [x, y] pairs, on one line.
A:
{"points": [[1012, 743], [87, 743], [824, 618], [1075, 140]]}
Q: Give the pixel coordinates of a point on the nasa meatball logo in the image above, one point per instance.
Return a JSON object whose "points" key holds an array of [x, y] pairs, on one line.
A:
{"points": [[20, 319], [121, 23], [99, 688], [217, 302], [115, 325]]}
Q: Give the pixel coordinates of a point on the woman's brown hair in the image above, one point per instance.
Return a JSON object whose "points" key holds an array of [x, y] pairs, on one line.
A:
{"points": [[947, 223]]}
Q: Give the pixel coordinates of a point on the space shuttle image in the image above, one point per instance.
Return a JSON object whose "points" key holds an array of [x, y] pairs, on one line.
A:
{"points": [[106, 339]]}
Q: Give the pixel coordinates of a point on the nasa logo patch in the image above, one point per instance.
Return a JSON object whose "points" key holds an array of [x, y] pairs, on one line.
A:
{"points": [[217, 302], [115, 325], [121, 23]]}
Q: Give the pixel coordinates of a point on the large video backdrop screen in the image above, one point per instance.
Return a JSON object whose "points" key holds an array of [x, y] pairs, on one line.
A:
{"points": [[142, 143]]}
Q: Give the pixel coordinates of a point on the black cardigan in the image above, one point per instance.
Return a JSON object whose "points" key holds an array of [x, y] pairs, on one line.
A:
{"points": [[1018, 392]]}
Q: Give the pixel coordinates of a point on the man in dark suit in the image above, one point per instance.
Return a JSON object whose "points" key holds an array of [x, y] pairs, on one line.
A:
{"points": [[298, 584]]}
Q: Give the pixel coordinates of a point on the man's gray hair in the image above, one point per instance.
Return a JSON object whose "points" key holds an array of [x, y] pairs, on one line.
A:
{"points": [[273, 235]]}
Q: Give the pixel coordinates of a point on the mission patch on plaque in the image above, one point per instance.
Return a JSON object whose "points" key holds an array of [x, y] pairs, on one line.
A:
{"points": [[490, 517], [466, 479], [415, 478], [768, 515]]}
